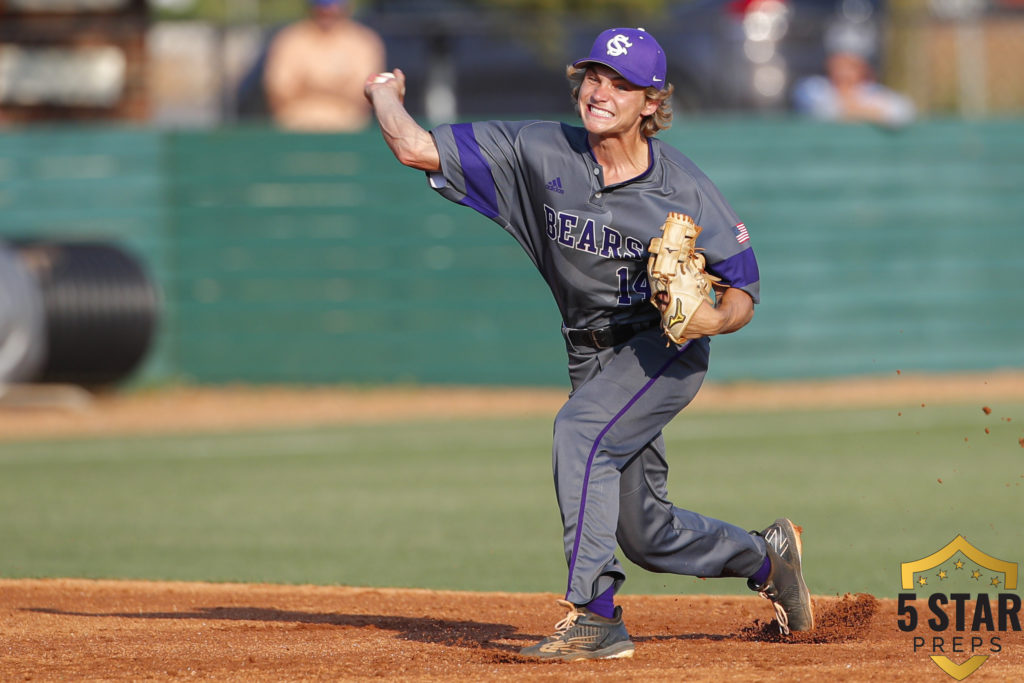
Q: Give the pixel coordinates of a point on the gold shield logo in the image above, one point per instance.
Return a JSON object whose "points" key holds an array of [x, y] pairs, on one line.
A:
{"points": [[960, 561]]}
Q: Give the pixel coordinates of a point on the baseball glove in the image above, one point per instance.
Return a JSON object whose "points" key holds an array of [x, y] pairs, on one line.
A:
{"points": [[679, 283]]}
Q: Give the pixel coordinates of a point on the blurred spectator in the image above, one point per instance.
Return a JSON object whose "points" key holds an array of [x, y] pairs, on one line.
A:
{"points": [[849, 91], [316, 68]]}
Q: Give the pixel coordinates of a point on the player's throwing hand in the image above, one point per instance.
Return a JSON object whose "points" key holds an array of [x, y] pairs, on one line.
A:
{"points": [[387, 80]]}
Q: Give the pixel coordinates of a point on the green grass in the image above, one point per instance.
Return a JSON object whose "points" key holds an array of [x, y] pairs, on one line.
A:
{"points": [[470, 504]]}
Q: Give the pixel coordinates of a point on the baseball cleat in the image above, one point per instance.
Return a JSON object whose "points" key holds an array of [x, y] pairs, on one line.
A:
{"points": [[785, 586], [584, 635]]}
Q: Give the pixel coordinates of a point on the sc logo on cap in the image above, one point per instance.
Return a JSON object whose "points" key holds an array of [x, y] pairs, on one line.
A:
{"points": [[618, 45]]}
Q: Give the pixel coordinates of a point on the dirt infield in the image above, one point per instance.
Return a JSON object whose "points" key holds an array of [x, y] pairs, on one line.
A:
{"points": [[66, 629], [127, 630]]}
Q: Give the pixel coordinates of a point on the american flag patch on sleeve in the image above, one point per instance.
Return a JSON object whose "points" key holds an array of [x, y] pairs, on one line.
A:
{"points": [[741, 233]]}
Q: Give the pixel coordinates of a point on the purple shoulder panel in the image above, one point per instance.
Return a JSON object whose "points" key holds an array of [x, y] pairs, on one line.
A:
{"points": [[480, 191]]}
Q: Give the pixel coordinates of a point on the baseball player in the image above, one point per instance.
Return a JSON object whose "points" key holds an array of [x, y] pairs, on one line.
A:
{"points": [[585, 202]]}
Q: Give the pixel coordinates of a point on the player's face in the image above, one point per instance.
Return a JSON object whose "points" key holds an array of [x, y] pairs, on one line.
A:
{"points": [[611, 105]]}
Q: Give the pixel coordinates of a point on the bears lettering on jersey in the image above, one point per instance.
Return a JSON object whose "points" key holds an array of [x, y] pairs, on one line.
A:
{"points": [[568, 230]]}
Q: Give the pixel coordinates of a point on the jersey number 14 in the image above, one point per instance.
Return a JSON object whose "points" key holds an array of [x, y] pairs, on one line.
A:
{"points": [[639, 285]]}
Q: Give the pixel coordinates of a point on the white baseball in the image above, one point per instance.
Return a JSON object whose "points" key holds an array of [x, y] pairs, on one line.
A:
{"points": [[384, 77]]}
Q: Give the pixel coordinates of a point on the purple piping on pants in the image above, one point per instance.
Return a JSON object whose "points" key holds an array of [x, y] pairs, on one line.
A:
{"points": [[593, 454]]}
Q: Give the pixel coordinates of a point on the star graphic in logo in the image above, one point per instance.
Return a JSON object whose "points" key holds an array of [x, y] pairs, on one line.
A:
{"points": [[995, 581], [942, 575], [922, 581], [975, 574], [959, 564]]}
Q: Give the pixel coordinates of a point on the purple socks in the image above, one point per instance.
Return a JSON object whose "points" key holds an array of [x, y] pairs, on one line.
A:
{"points": [[760, 577], [603, 605]]}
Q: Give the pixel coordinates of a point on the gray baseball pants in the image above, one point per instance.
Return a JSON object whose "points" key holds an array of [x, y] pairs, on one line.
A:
{"points": [[611, 474]]}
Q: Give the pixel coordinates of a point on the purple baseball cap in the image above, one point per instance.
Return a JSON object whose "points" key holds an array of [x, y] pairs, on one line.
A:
{"points": [[632, 52]]}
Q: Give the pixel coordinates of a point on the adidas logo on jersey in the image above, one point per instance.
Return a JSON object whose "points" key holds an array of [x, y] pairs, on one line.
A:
{"points": [[556, 185]]}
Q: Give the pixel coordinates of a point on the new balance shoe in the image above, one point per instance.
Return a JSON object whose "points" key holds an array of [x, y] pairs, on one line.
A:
{"points": [[785, 586], [584, 635]]}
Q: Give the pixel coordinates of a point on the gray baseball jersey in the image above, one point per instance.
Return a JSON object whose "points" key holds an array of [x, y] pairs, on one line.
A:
{"points": [[540, 181]]}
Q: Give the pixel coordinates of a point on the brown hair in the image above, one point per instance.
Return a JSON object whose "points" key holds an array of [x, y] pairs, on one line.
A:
{"points": [[660, 120]]}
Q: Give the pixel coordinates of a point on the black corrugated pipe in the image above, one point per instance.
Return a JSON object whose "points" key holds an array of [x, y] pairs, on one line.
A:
{"points": [[101, 310]]}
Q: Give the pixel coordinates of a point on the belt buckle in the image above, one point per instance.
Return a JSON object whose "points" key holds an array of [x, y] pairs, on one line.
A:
{"points": [[598, 341]]}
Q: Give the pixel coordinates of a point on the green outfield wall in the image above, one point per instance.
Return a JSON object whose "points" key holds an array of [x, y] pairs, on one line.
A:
{"points": [[319, 259]]}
